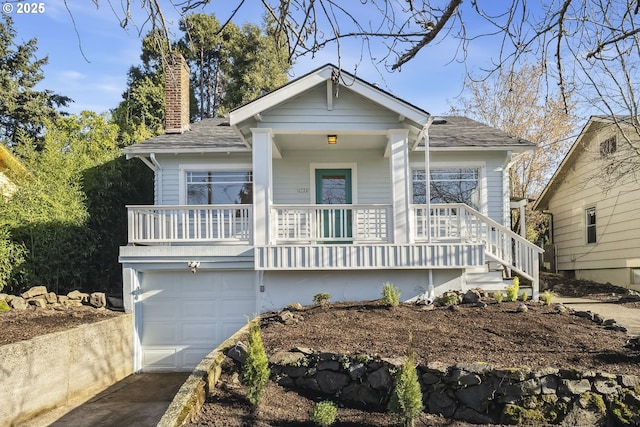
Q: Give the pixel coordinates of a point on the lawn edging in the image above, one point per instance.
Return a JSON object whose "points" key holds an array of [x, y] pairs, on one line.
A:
{"points": [[188, 402], [52, 370]]}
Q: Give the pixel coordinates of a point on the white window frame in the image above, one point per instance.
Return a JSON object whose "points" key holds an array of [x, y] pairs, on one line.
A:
{"points": [[482, 178], [587, 226], [183, 169]]}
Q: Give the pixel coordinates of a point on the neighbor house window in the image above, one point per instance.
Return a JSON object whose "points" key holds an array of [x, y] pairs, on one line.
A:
{"points": [[591, 225], [448, 185], [635, 276], [608, 147], [219, 188]]}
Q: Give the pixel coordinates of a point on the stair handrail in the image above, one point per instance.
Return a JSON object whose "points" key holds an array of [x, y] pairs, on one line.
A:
{"points": [[501, 244]]}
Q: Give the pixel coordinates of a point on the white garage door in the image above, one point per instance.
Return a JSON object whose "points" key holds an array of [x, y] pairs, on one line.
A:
{"points": [[184, 316]]}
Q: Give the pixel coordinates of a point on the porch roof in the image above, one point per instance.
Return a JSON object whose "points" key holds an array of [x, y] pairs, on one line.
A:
{"points": [[459, 132]]}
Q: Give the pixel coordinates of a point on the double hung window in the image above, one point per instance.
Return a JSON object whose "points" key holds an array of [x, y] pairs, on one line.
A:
{"points": [[590, 222]]}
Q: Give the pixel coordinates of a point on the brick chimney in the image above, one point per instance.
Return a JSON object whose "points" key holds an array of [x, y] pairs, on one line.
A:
{"points": [[176, 94]]}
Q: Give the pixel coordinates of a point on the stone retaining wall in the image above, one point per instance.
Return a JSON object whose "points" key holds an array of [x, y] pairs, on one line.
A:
{"points": [[50, 370], [477, 393]]}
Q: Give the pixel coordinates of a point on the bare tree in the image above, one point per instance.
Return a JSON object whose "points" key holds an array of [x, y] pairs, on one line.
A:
{"points": [[517, 103], [590, 48]]}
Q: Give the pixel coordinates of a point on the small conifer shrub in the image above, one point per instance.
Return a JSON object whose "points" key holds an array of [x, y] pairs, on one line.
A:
{"points": [[513, 290], [406, 397], [547, 297], [322, 298], [524, 296], [324, 414], [391, 294], [498, 296], [255, 370]]}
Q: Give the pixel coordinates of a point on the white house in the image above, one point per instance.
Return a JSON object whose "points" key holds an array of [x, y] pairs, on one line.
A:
{"points": [[595, 233], [318, 186]]}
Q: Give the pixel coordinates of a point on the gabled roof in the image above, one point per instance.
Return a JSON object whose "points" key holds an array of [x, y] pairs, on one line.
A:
{"points": [[572, 154], [9, 165], [461, 132], [329, 72]]}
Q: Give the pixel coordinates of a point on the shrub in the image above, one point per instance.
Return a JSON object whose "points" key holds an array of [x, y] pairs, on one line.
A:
{"points": [[448, 299], [547, 297], [255, 370], [322, 298], [524, 296], [391, 294], [498, 296], [406, 397], [324, 414], [513, 290]]}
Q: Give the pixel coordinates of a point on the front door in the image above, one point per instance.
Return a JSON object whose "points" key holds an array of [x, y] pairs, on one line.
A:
{"points": [[333, 187]]}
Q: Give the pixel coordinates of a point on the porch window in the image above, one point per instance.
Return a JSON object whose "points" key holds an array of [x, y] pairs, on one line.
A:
{"points": [[591, 225], [219, 188], [448, 185]]}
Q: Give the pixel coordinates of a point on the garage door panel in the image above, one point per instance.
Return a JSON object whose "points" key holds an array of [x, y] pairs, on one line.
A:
{"points": [[185, 315], [194, 333], [160, 333]]}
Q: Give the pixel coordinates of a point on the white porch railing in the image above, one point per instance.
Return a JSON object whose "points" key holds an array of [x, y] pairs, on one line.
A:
{"points": [[193, 223], [330, 223], [459, 222]]}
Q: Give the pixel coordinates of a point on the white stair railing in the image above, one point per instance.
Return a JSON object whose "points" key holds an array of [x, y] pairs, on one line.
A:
{"points": [[461, 222]]}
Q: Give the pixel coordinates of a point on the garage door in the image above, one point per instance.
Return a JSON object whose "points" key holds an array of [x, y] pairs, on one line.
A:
{"points": [[183, 316]]}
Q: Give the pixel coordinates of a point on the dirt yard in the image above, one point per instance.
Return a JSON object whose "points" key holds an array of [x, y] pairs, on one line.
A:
{"points": [[495, 333]]}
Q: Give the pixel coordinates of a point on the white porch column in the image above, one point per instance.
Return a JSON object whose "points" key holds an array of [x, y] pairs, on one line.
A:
{"points": [[262, 185], [399, 165]]}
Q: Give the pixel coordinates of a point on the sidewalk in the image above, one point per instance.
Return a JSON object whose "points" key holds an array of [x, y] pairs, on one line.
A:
{"points": [[627, 317]]}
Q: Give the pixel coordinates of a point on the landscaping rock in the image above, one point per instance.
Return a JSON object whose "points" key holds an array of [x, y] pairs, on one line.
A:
{"points": [[37, 302], [331, 382], [441, 403], [98, 299], [238, 352], [575, 387], [380, 379], [51, 297], [34, 292], [17, 303], [286, 358], [3, 297], [360, 394], [78, 296], [471, 297]]}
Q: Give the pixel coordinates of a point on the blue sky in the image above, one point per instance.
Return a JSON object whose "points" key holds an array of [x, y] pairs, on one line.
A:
{"points": [[89, 62]]}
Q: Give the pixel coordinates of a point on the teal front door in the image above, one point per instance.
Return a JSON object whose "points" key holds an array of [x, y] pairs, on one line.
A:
{"points": [[333, 187]]}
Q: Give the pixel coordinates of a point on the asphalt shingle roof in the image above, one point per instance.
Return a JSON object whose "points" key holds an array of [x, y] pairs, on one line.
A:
{"points": [[459, 131], [207, 135]]}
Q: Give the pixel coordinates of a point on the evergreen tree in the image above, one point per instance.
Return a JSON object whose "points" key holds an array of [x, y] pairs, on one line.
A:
{"points": [[22, 108]]}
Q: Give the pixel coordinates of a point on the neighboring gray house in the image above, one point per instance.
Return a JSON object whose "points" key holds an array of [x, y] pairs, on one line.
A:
{"points": [[318, 186]]}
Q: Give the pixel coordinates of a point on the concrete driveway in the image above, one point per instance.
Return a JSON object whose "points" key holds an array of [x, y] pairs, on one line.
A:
{"points": [[140, 400]]}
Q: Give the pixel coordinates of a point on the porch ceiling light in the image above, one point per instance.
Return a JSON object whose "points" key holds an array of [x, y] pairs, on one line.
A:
{"points": [[332, 139]]}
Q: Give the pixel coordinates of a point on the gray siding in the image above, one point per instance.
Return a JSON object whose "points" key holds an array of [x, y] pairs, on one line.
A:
{"points": [[309, 111]]}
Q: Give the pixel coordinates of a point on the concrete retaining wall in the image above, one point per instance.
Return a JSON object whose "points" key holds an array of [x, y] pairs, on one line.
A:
{"points": [[51, 370], [189, 400]]}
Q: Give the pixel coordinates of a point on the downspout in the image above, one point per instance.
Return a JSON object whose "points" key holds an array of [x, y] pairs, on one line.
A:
{"points": [[153, 164], [427, 176]]}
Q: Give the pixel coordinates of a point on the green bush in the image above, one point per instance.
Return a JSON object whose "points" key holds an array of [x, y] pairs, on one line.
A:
{"points": [[255, 370], [406, 397], [391, 294], [547, 297], [448, 299], [524, 296], [513, 290], [324, 414], [322, 298], [12, 257], [498, 296]]}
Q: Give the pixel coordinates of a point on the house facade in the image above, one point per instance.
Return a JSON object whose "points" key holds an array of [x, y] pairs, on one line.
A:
{"points": [[318, 186], [595, 232], [10, 169]]}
